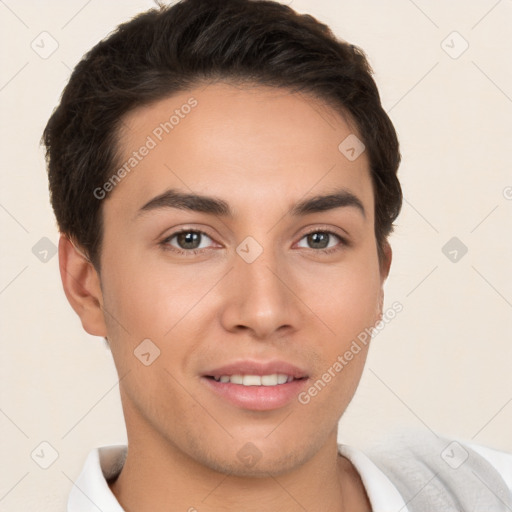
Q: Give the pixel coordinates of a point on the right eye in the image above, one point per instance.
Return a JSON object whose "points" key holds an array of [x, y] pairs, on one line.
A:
{"points": [[187, 241]]}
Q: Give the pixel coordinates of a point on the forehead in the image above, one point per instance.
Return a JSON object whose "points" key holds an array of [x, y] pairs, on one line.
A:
{"points": [[249, 144]]}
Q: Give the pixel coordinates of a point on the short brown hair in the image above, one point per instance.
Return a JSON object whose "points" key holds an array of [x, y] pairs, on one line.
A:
{"points": [[172, 48]]}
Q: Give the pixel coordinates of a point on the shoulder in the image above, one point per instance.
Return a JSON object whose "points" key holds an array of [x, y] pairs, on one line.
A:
{"points": [[453, 475]]}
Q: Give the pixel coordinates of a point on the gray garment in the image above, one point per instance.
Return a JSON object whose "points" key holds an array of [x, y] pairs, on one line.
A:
{"points": [[438, 475]]}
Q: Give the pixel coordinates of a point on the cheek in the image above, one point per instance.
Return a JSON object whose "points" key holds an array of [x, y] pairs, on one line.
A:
{"points": [[346, 298], [161, 305], [149, 301]]}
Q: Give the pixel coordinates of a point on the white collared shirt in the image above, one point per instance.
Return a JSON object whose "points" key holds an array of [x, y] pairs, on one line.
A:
{"points": [[91, 492]]}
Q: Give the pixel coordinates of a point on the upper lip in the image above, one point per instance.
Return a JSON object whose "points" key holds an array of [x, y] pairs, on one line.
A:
{"points": [[257, 368]]}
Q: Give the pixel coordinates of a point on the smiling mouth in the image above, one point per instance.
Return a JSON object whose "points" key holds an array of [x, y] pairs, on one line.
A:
{"points": [[257, 389], [274, 379]]}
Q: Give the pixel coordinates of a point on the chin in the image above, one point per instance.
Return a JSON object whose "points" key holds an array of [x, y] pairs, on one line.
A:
{"points": [[251, 461]]}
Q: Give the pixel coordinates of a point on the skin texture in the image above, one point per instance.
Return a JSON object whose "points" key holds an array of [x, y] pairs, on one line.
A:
{"points": [[261, 150]]}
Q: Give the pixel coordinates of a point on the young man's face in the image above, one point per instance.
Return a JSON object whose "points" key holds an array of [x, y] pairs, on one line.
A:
{"points": [[263, 290]]}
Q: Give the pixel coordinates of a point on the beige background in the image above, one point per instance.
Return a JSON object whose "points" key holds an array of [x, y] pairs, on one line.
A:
{"points": [[444, 363]]}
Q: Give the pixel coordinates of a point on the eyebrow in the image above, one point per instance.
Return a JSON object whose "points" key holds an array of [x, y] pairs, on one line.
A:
{"points": [[211, 205]]}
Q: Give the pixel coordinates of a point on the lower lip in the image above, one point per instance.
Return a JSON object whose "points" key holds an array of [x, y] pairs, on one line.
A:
{"points": [[257, 398]]}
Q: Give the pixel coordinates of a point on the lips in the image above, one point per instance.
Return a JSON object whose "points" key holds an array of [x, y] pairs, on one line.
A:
{"points": [[256, 385]]}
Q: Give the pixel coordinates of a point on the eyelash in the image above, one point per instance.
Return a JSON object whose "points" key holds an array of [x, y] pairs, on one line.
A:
{"points": [[193, 252]]}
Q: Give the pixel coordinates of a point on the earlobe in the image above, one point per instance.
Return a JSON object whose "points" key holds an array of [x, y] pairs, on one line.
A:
{"points": [[81, 284], [385, 265]]}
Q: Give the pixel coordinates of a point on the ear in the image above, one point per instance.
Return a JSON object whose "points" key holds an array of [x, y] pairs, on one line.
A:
{"points": [[385, 265], [81, 284]]}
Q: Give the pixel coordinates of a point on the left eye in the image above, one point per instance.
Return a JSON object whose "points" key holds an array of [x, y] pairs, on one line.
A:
{"points": [[320, 240]]}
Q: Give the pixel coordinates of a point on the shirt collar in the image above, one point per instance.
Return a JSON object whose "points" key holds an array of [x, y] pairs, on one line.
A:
{"points": [[90, 492]]}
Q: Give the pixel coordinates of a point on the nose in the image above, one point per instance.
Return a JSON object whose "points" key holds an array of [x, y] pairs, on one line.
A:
{"points": [[259, 298]]}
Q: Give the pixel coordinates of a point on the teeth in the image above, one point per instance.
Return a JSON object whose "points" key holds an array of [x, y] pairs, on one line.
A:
{"points": [[281, 379], [269, 380], [256, 380], [236, 379], [251, 380]]}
